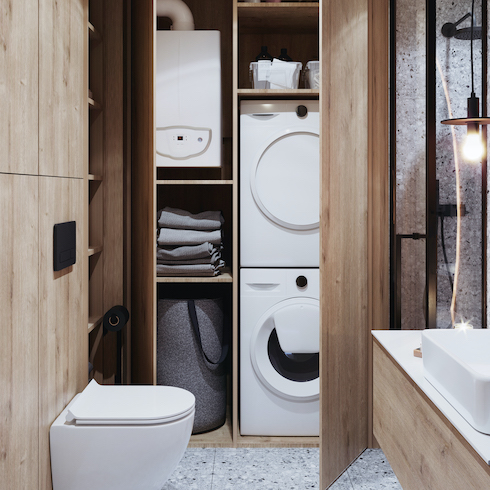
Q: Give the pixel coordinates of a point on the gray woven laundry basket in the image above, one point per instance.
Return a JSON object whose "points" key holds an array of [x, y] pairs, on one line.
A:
{"points": [[191, 363]]}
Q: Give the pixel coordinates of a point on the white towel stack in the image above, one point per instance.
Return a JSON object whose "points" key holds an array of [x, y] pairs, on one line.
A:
{"points": [[189, 244]]}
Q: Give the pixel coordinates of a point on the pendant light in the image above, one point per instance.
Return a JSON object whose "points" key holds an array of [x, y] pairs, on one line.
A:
{"points": [[473, 148]]}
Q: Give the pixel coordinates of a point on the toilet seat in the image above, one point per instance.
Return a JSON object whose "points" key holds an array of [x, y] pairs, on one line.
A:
{"points": [[129, 405]]}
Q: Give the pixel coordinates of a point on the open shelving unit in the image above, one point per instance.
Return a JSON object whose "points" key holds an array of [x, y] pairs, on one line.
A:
{"points": [[107, 242], [244, 28], [290, 25]]}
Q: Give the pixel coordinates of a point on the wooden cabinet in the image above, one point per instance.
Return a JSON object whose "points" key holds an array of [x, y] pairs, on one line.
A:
{"points": [[244, 28], [290, 25], [43, 354], [62, 311], [62, 138], [19, 58], [19, 348]]}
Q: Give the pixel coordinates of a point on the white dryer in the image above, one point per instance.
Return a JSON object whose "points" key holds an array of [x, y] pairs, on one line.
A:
{"points": [[279, 184], [279, 352]]}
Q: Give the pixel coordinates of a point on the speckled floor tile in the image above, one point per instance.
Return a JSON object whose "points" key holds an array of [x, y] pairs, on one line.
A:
{"points": [[195, 471], [342, 483], [266, 469], [371, 471]]}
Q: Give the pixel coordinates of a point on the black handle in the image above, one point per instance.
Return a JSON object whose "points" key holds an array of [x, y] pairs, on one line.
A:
{"points": [[191, 306], [116, 318]]}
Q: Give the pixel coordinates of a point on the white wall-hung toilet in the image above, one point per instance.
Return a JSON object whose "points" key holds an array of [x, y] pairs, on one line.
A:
{"points": [[120, 437]]}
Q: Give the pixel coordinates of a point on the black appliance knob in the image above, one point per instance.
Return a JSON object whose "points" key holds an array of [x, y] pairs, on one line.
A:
{"points": [[301, 110], [301, 281]]}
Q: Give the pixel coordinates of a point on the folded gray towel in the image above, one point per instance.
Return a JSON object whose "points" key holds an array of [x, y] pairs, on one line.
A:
{"points": [[203, 250], [212, 259], [189, 270], [170, 236], [183, 220]]}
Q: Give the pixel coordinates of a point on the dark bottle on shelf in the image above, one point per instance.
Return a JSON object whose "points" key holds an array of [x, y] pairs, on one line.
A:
{"points": [[284, 55], [263, 55]]}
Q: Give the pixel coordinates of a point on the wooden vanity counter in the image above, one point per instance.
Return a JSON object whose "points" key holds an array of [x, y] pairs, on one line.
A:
{"points": [[428, 444]]}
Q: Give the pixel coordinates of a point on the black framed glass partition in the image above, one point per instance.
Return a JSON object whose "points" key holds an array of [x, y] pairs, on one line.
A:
{"points": [[438, 260]]}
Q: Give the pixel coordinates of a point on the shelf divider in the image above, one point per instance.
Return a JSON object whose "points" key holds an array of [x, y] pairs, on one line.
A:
{"points": [[224, 277], [95, 250], [194, 182]]}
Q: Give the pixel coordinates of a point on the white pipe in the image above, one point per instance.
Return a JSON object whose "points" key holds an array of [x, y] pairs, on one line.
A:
{"points": [[178, 12]]}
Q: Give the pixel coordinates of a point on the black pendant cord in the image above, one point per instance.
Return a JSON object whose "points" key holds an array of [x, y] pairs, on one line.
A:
{"points": [[471, 47]]}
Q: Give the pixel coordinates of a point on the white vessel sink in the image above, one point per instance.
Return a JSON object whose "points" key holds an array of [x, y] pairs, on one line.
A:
{"points": [[457, 364]]}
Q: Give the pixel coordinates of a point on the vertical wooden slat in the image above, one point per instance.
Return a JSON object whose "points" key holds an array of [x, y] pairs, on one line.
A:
{"points": [[62, 142], [113, 175], [63, 349], [378, 182], [19, 86], [344, 234], [19, 434], [235, 296], [143, 203]]}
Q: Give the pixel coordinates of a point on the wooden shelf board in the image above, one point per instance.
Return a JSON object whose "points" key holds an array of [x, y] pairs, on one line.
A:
{"points": [[267, 92], [221, 437], [94, 177], [94, 35], [94, 322], [278, 16], [194, 182], [93, 105], [269, 441], [225, 276], [94, 250]]}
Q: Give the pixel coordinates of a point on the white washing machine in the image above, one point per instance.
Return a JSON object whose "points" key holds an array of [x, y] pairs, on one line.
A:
{"points": [[279, 352], [279, 184]]}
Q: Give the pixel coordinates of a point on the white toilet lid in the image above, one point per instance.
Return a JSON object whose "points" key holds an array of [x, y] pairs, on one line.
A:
{"points": [[129, 405]]}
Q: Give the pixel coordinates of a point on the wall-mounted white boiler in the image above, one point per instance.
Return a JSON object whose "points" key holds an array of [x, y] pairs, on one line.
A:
{"points": [[188, 99]]}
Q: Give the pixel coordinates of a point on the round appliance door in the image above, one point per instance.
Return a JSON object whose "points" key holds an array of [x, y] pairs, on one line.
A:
{"points": [[291, 375], [285, 180]]}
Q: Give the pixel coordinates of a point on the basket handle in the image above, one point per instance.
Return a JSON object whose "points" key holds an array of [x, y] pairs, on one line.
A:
{"points": [[195, 324]]}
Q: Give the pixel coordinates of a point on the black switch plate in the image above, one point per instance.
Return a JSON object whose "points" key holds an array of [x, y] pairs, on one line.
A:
{"points": [[65, 245]]}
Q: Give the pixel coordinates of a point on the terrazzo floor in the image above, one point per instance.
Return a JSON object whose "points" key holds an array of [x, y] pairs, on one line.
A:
{"points": [[274, 469]]}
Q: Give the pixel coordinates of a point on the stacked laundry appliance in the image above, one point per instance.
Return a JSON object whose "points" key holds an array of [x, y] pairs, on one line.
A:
{"points": [[279, 261], [189, 244]]}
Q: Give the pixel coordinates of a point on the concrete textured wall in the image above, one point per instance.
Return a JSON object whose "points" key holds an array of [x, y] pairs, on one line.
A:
{"points": [[454, 59]]}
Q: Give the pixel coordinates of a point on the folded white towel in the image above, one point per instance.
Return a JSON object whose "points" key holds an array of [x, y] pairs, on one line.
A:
{"points": [[183, 220], [170, 236], [282, 74]]}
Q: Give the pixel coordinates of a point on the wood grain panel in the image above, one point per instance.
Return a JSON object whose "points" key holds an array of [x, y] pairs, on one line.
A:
{"points": [[63, 319], [144, 200], [378, 180], [422, 446], [235, 271], [19, 413], [62, 139], [19, 86], [343, 262], [113, 175], [282, 17]]}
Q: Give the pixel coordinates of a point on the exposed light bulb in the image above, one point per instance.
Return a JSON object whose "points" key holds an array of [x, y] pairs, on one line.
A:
{"points": [[473, 149], [464, 325]]}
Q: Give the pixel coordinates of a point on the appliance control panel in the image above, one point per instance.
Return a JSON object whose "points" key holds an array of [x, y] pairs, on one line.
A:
{"points": [[182, 143]]}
